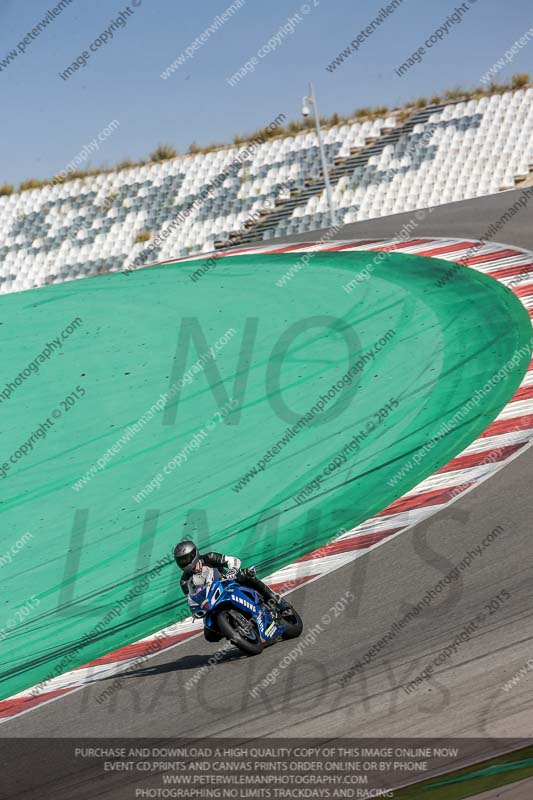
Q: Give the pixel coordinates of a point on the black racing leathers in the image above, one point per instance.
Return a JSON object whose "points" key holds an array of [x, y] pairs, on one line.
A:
{"points": [[220, 563]]}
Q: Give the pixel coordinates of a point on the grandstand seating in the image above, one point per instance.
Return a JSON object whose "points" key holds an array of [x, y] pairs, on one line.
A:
{"points": [[443, 153]]}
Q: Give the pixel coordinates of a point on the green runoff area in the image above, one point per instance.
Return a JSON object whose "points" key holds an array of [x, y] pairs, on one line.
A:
{"points": [[474, 780], [96, 571]]}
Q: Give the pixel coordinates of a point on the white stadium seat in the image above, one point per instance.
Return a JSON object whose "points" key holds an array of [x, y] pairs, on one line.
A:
{"points": [[88, 226]]}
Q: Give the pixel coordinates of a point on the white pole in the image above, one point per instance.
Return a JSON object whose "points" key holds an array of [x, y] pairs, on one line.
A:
{"points": [[329, 194]]}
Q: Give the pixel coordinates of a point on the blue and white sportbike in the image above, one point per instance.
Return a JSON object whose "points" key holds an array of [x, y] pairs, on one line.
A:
{"points": [[240, 614]]}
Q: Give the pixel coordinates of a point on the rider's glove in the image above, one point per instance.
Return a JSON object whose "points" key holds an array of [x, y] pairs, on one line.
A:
{"points": [[231, 574]]}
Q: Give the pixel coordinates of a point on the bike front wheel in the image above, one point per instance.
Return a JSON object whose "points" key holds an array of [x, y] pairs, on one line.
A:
{"points": [[241, 631]]}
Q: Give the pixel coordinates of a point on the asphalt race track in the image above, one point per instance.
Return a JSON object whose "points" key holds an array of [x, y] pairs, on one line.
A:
{"points": [[316, 695]]}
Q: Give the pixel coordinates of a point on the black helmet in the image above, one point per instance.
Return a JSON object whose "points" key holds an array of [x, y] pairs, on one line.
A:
{"points": [[186, 554]]}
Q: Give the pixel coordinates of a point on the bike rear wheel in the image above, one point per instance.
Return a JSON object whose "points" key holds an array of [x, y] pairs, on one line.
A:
{"points": [[241, 631], [292, 620]]}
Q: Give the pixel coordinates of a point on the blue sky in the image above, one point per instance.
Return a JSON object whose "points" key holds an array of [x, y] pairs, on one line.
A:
{"points": [[48, 120]]}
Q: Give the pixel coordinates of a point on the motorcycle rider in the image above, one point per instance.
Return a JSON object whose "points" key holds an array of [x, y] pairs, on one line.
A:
{"points": [[191, 561]]}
